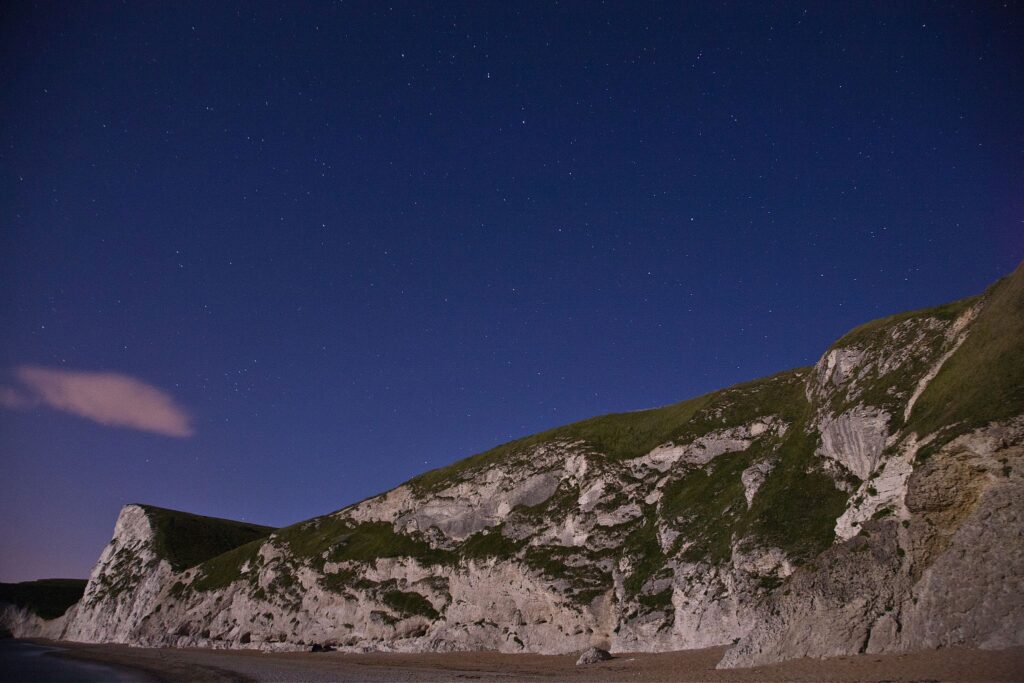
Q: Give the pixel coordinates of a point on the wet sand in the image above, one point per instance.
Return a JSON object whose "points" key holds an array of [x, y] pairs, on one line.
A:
{"points": [[192, 664], [24, 661]]}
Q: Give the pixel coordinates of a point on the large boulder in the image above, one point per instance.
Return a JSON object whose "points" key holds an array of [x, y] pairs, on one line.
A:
{"points": [[593, 655]]}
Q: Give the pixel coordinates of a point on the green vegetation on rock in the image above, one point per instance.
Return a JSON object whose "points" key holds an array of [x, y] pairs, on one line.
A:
{"points": [[121, 577], [345, 580], [578, 568], [330, 538], [489, 543], [343, 540], [644, 551], [798, 504], [706, 506], [409, 603]]}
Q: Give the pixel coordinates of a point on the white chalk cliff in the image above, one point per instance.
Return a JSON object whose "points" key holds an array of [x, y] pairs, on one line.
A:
{"points": [[871, 503]]}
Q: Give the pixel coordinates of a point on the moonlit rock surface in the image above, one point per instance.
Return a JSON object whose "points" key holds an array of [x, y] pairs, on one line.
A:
{"points": [[593, 655], [556, 546]]}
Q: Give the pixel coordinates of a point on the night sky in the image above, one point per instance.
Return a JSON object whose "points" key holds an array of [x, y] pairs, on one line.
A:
{"points": [[263, 261]]}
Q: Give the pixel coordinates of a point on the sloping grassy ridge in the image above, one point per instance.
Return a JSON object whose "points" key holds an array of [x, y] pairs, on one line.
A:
{"points": [[185, 540], [984, 380], [620, 436], [795, 509]]}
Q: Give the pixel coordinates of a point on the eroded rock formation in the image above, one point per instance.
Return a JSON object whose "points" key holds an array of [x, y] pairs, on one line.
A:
{"points": [[870, 503]]}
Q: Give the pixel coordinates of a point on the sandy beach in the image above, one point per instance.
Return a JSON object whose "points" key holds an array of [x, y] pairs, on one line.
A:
{"points": [[192, 664]]}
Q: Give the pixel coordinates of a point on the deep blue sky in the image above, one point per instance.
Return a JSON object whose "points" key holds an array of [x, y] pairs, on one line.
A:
{"points": [[357, 242]]}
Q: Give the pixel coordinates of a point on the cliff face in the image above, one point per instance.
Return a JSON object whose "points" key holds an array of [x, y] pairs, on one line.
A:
{"points": [[945, 567], [869, 503], [124, 585]]}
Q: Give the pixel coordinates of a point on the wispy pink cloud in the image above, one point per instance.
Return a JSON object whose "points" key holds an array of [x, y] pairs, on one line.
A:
{"points": [[108, 398], [16, 399]]}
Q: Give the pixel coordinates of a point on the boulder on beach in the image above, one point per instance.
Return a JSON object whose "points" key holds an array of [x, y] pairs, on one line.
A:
{"points": [[593, 656]]}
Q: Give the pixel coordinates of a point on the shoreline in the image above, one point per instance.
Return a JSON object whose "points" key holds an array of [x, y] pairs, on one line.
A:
{"points": [[30, 660], [206, 665]]}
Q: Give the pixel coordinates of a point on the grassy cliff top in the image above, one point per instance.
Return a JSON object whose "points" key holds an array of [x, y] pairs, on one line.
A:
{"points": [[620, 436], [876, 331], [185, 540], [984, 380], [47, 598]]}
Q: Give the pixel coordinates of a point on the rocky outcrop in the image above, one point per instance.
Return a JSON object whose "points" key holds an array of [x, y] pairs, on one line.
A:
{"points": [[947, 574], [855, 439], [880, 494], [593, 655], [707, 447], [124, 585], [753, 477], [23, 623], [968, 512]]}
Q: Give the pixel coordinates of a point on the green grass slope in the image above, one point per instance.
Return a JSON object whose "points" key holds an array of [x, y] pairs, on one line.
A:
{"points": [[186, 540], [984, 380], [47, 598]]}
